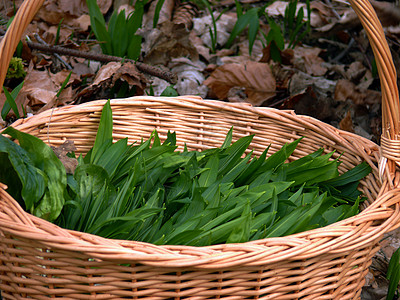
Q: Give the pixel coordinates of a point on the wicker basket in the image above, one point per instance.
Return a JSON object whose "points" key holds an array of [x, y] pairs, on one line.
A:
{"points": [[40, 260]]}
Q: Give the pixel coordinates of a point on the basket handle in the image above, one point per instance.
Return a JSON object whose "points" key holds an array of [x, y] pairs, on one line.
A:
{"points": [[364, 10]]}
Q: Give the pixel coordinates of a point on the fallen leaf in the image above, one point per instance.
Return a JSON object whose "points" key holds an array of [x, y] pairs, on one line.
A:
{"points": [[36, 95], [61, 152], [82, 22], [53, 11], [107, 76], [166, 42], [388, 14], [59, 77], [129, 73], [190, 76], [321, 14], [106, 72], [345, 89], [307, 59], [255, 77], [311, 95], [346, 123]]}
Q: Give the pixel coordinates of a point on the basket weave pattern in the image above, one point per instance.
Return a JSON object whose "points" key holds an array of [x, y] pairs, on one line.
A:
{"points": [[40, 260]]}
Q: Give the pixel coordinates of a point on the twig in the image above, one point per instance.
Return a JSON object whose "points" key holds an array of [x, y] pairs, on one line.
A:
{"points": [[168, 76], [40, 40], [344, 52]]}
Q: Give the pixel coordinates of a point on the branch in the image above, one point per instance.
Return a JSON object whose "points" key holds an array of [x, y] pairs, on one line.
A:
{"points": [[168, 76]]}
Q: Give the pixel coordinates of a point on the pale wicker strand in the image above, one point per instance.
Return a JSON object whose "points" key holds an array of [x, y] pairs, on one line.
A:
{"points": [[9, 43]]}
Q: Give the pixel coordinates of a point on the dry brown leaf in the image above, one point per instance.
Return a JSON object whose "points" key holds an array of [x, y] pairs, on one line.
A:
{"points": [[256, 79], [60, 77], [110, 73], [347, 123], [34, 94], [53, 11], [129, 73], [307, 60], [168, 41], [106, 72], [345, 89], [61, 152], [388, 14], [83, 22]]}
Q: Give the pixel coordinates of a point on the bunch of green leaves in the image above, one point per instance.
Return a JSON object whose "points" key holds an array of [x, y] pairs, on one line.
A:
{"points": [[151, 192], [119, 38], [294, 29], [393, 275], [250, 19], [294, 26]]}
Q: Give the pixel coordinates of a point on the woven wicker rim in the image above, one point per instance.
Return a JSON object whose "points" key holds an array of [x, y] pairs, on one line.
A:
{"points": [[300, 245]]}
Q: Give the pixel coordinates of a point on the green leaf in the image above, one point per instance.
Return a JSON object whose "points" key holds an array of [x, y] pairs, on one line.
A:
{"points": [[53, 170], [135, 20], [111, 24], [233, 154], [159, 5], [169, 91], [102, 35], [210, 176], [241, 233], [11, 103], [113, 156], [279, 157], [275, 35], [228, 140], [31, 178], [250, 17], [104, 133], [355, 174], [315, 175], [134, 48], [120, 37], [393, 274], [254, 25]]}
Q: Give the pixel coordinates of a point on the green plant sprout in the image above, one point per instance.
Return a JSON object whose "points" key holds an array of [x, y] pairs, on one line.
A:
{"points": [[159, 5], [250, 19], [293, 27], [213, 32], [393, 274], [57, 39], [10, 102], [119, 38], [169, 91]]}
